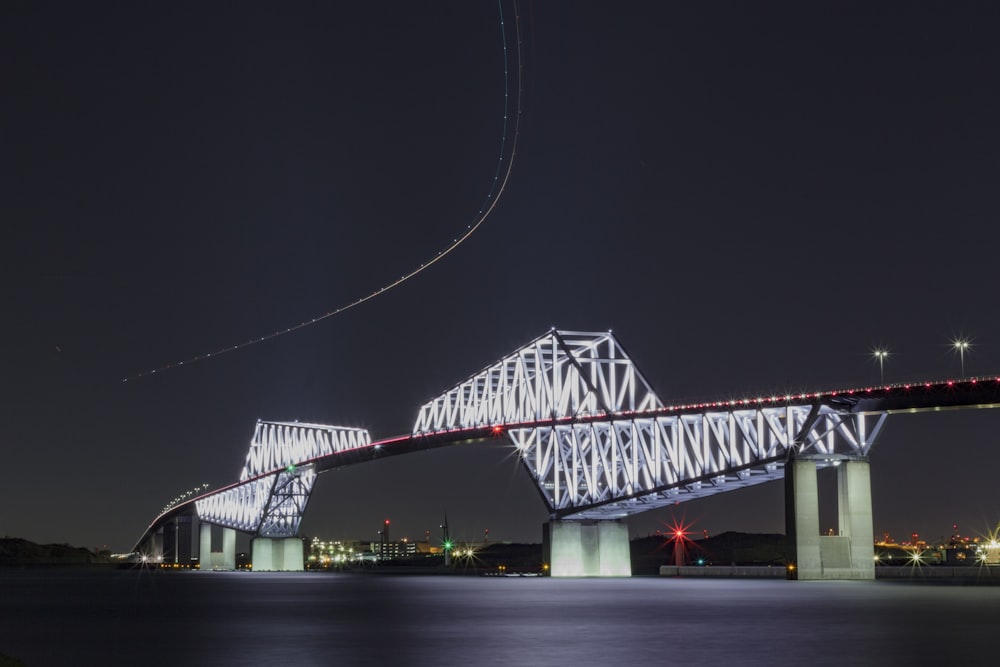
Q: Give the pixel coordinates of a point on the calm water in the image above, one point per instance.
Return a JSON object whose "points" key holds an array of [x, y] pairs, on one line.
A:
{"points": [[206, 618]]}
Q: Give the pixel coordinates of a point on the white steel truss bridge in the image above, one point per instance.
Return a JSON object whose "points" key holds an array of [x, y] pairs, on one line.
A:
{"points": [[596, 439]]}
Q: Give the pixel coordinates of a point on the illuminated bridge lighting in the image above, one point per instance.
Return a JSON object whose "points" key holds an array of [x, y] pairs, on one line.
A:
{"points": [[588, 428]]}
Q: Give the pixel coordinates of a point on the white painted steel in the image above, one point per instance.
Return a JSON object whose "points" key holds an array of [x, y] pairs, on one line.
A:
{"points": [[274, 486], [278, 445], [630, 465], [240, 507], [560, 374], [606, 460]]}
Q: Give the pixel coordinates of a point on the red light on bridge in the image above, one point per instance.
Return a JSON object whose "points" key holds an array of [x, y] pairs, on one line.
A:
{"points": [[497, 430]]}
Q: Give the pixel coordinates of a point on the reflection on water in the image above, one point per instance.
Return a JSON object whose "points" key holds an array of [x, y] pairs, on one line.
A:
{"points": [[207, 618]]}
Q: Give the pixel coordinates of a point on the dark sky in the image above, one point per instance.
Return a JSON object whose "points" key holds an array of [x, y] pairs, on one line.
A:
{"points": [[752, 195]]}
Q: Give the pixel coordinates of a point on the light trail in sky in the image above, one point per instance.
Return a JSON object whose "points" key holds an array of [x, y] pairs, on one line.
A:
{"points": [[505, 164]]}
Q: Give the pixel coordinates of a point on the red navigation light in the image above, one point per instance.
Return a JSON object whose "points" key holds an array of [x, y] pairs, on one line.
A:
{"points": [[498, 430]]}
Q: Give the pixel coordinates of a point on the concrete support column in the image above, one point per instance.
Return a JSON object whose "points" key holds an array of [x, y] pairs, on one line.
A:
{"points": [[278, 555], [850, 554], [802, 518], [294, 559], [228, 560], [156, 547], [262, 554], [205, 546], [209, 558], [854, 506], [587, 549], [615, 552]]}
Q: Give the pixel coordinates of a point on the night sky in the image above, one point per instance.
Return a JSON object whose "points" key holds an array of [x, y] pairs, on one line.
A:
{"points": [[751, 195]]}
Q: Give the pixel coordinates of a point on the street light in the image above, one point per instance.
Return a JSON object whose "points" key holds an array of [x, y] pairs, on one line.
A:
{"points": [[961, 345], [880, 354]]}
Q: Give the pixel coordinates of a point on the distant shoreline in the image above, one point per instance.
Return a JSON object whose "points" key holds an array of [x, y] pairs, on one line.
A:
{"points": [[18, 552]]}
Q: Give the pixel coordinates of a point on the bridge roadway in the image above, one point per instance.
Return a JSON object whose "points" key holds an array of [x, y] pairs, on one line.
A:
{"points": [[902, 398]]}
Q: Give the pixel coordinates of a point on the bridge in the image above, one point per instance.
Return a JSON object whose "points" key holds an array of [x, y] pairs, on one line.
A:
{"points": [[600, 447]]}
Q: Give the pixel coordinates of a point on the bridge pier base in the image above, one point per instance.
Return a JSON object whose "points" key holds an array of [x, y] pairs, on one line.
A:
{"points": [[587, 548], [209, 559], [278, 555], [204, 546], [851, 553], [154, 548]]}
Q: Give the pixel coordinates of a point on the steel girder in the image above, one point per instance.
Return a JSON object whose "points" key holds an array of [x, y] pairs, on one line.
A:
{"points": [[620, 467], [278, 445], [278, 477], [287, 504], [598, 457], [559, 374], [240, 506]]}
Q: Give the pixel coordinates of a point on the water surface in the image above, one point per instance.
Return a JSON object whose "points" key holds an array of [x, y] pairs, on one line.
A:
{"points": [[149, 618]]}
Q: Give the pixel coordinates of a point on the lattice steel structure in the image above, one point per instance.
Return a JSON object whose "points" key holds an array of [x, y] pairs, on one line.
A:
{"points": [[591, 432], [562, 374], [600, 444], [278, 477]]}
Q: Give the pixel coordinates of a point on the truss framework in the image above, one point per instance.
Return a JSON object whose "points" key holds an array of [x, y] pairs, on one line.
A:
{"points": [[618, 468], [588, 428], [603, 462], [274, 485], [559, 374], [289, 496], [278, 445], [240, 507]]}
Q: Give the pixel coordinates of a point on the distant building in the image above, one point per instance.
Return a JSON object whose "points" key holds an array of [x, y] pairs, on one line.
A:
{"points": [[988, 553], [394, 550]]}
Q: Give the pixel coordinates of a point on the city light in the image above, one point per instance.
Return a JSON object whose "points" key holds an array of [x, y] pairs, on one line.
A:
{"points": [[988, 551], [594, 413], [880, 355], [961, 345]]}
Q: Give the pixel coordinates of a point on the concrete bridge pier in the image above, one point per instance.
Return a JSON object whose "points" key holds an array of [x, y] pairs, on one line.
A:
{"points": [[154, 547], [850, 554], [587, 548], [210, 559], [278, 555]]}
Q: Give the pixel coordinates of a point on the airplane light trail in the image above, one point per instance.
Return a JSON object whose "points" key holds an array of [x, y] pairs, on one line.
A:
{"points": [[500, 179]]}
